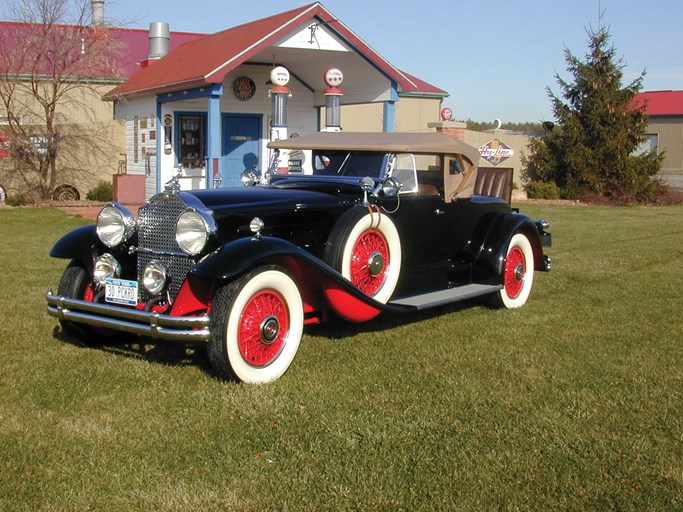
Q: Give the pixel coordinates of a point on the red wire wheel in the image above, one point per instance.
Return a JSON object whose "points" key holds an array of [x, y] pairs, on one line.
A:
{"points": [[256, 326], [369, 261], [262, 329], [518, 273], [515, 271], [365, 248]]}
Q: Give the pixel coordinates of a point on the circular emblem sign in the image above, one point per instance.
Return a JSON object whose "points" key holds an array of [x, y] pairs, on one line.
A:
{"points": [[244, 88], [333, 77], [446, 114]]}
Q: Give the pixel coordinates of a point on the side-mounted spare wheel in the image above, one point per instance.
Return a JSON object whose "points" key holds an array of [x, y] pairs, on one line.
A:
{"points": [[364, 246], [518, 273], [256, 326]]}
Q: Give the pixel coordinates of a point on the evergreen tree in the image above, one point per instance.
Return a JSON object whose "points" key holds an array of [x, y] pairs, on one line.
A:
{"points": [[599, 127]]}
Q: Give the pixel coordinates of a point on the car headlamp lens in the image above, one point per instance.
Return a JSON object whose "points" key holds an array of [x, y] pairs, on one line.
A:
{"points": [[155, 277], [193, 230], [115, 224], [106, 267]]}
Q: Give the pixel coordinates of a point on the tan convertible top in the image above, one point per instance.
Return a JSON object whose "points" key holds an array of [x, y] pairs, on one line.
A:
{"points": [[382, 142]]}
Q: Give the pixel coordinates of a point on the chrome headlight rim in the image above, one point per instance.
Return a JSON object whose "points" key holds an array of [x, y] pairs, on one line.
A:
{"points": [[105, 267], [115, 224], [156, 278], [194, 229]]}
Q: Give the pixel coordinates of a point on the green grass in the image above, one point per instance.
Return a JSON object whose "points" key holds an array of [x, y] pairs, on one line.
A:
{"points": [[574, 402]]}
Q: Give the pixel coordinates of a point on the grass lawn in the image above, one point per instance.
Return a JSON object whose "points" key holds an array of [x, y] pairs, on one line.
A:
{"points": [[574, 402]]}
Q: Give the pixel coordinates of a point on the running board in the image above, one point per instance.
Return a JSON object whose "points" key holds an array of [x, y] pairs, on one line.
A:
{"points": [[433, 299]]}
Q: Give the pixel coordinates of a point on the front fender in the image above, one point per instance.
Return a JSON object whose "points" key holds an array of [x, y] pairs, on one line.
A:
{"points": [[493, 248], [312, 275], [78, 244], [237, 257]]}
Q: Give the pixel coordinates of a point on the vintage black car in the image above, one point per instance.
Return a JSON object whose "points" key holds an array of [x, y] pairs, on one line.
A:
{"points": [[346, 223]]}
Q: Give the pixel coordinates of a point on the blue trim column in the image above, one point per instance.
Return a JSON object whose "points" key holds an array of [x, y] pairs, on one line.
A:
{"points": [[160, 135], [388, 117], [213, 136]]}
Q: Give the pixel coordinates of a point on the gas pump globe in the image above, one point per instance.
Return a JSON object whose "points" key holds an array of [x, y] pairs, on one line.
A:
{"points": [[333, 79], [279, 94]]}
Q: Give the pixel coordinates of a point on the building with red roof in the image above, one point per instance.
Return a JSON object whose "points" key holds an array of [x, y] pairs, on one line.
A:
{"points": [[207, 104], [205, 101], [665, 131]]}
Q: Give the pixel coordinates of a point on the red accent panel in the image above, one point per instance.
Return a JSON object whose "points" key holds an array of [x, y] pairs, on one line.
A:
{"points": [[193, 297], [346, 305]]}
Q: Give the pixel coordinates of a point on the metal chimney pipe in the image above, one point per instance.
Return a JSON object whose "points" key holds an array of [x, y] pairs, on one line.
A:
{"points": [[159, 35], [97, 12]]}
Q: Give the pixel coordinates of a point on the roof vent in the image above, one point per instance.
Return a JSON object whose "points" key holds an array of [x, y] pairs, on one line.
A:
{"points": [[159, 35]]}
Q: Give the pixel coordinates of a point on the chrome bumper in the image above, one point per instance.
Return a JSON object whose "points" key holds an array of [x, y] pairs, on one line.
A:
{"points": [[189, 329]]}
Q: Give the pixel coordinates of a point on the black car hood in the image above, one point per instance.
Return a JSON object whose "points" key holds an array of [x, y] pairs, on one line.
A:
{"points": [[282, 194]]}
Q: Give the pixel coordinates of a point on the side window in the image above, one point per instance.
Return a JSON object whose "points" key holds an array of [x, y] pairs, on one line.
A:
{"points": [[458, 177], [405, 172]]}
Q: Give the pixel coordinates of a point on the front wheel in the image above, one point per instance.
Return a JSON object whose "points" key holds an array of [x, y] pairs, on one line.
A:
{"points": [[256, 326], [518, 273], [76, 284]]}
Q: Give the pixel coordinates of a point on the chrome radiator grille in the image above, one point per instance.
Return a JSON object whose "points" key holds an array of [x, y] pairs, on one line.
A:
{"points": [[156, 241]]}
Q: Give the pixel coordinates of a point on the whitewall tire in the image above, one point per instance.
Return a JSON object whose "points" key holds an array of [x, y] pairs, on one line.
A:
{"points": [[518, 273], [256, 326], [364, 246]]}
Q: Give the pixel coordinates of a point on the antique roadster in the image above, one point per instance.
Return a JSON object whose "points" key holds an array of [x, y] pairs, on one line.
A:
{"points": [[349, 224]]}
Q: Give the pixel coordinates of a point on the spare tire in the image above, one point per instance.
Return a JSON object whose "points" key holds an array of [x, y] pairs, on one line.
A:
{"points": [[365, 248]]}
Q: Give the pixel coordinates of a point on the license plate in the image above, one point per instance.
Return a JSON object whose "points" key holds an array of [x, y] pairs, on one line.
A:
{"points": [[121, 291]]}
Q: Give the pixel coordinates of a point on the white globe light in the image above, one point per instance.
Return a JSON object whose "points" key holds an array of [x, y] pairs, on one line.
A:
{"points": [[279, 76]]}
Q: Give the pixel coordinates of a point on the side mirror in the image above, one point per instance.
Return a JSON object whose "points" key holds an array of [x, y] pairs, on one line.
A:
{"points": [[391, 187]]}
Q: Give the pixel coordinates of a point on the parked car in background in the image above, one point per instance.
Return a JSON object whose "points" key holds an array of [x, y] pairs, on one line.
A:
{"points": [[352, 224]]}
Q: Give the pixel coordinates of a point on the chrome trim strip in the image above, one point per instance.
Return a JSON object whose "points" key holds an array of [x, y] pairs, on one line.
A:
{"points": [[189, 329], [163, 252]]}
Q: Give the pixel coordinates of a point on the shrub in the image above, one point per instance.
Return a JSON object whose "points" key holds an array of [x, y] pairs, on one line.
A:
{"points": [[104, 191], [542, 190], [16, 200]]}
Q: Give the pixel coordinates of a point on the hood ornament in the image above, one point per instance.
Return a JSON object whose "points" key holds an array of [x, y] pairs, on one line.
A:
{"points": [[172, 186]]}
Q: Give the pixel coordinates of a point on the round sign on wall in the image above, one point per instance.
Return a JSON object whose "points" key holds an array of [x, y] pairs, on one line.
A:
{"points": [[244, 88]]}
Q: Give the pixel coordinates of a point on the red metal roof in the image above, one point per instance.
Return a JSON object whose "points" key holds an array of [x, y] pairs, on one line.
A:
{"points": [[127, 47], [662, 103], [209, 59]]}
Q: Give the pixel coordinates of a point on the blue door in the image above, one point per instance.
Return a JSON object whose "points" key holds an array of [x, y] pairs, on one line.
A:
{"points": [[241, 147]]}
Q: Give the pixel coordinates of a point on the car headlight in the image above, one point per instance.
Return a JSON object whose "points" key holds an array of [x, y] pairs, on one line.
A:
{"points": [[115, 224], [106, 267], [193, 230], [155, 277]]}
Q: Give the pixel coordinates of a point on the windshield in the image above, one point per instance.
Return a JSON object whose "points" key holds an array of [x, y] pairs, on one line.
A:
{"points": [[348, 163]]}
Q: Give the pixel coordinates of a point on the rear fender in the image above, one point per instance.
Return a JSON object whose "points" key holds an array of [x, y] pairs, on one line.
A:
{"points": [[493, 248]]}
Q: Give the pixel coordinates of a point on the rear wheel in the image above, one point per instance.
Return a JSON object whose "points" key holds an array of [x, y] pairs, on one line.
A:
{"points": [[256, 326], [518, 273]]}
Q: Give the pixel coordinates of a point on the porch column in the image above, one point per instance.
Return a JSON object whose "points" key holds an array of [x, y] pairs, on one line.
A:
{"points": [[388, 117], [213, 136]]}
